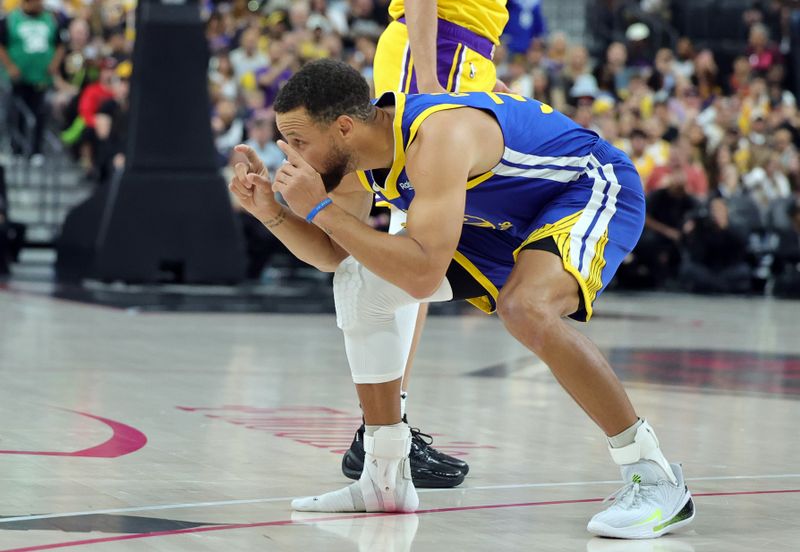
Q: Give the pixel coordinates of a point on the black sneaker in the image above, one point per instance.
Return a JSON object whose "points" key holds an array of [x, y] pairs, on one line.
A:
{"points": [[426, 470], [423, 440]]}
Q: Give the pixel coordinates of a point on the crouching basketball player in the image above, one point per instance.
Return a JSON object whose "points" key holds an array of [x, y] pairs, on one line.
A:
{"points": [[510, 205]]}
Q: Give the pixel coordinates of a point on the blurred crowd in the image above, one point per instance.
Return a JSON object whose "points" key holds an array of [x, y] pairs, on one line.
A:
{"points": [[68, 63], [715, 140]]}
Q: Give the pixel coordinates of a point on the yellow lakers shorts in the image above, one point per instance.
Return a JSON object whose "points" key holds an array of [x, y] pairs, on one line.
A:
{"points": [[464, 60]]}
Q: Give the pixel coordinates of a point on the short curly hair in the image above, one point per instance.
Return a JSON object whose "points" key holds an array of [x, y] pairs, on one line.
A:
{"points": [[327, 89]]}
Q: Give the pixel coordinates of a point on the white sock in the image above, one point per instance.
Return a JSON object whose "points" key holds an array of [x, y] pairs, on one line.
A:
{"points": [[626, 437], [385, 484]]}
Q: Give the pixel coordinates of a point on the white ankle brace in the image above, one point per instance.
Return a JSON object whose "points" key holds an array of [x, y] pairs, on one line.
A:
{"points": [[385, 484], [644, 447], [386, 461]]}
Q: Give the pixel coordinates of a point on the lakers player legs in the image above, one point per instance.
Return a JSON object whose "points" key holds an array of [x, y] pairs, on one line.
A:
{"points": [[430, 46]]}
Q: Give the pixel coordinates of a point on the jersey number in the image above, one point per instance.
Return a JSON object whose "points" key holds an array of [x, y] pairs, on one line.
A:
{"points": [[497, 98]]}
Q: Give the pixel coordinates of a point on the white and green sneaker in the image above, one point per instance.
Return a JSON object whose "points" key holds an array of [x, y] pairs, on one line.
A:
{"points": [[648, 506]]}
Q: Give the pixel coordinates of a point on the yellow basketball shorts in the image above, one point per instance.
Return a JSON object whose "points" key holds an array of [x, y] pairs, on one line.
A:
{"points": [[464, 60]]}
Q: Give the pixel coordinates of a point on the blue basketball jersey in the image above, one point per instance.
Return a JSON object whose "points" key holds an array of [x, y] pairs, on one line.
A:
{"points": [[545, 152], [556, 181]]}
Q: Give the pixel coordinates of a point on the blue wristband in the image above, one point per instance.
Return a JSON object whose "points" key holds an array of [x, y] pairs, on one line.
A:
{"points": [[320, 206]]}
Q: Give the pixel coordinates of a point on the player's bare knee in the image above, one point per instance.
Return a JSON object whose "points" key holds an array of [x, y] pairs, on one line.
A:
{"points": [[521, 308]]}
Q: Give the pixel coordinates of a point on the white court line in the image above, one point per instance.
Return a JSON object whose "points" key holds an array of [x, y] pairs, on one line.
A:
{"points": [[609, 482], [288, 498]]}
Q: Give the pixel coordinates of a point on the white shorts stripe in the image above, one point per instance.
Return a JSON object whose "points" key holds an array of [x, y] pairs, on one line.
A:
{"points": [[525, 159], [581, 227], [461, 58], [605, 215], [557, 175], [406, 53]]}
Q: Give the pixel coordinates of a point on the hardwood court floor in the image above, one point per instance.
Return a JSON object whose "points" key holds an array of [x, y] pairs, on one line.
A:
{"points": [[172, 432]]}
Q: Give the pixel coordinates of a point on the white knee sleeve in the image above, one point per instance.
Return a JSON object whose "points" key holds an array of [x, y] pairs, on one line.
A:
{"points": [[377, 319]]}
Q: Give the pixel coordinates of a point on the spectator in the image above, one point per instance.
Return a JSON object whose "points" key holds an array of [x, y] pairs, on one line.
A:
{"points": [[742, 210], [706, 77], [223, 78], [247, 58], [787, 156], [556, 55], [299, 14], [642, 159], [663, 78], [698, 144], [668, 209], [366, 19], [520, 80], [714, 261], [658, 147], [613, 76], [544, 92], [715, 165], [761, 53], [738, 81], [31, 51], [228, 129], [577, 66], [690, 173], [758, 129], [766, 183], [283, 63], [640, 50], [111, 126], [116, 44], [218, 38], [335, 15], [526, 24], [261, 129], [685, 104], [363, 56], [89, 103], [75, 71], [778, 97], [584, 91], [685, 58]]}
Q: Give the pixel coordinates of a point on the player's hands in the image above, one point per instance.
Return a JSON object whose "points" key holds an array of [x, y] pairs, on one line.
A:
{"points": [[297, 181], [252, 186], [500, 86], [431, 86]]}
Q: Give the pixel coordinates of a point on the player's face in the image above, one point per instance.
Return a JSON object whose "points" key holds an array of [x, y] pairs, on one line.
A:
{"points": [[321, 146]]}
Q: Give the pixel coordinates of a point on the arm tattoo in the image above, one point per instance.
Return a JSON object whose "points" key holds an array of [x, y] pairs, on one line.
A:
{"points": [[277, 220]]}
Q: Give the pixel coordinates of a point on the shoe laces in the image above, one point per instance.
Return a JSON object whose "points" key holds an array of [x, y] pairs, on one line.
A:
{"points": [[418, 435], [627, 496]]}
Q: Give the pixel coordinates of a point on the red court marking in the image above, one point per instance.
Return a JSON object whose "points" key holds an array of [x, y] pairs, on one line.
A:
{"points": [[124, 440], [320, 427], [284, 522]]}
